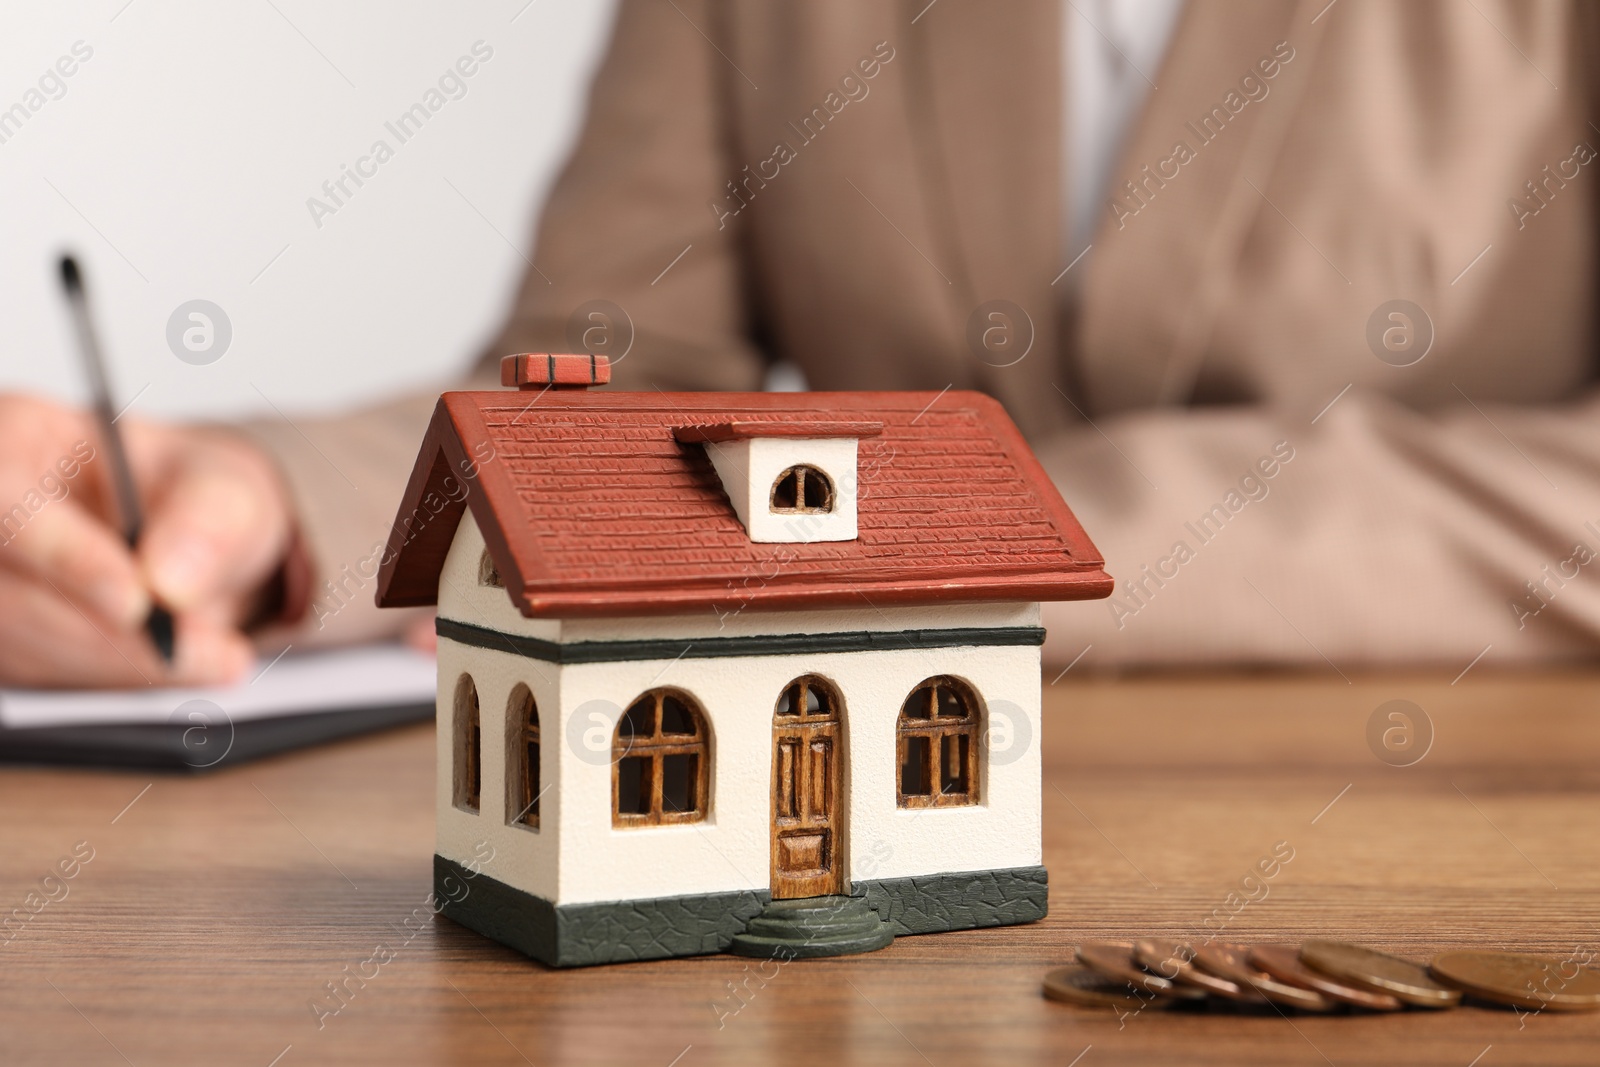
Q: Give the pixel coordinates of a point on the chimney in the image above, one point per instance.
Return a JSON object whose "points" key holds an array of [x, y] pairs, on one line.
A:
{"points": [[544, 370]]}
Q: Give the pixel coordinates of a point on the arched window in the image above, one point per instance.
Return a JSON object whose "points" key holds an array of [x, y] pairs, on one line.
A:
{"points": [[660, 761], [468, 778], [938, 745], [808, 698], [488, 573], [802, 489], [522, 758]]}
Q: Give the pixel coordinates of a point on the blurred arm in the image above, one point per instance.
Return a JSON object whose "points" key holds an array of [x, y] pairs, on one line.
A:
{"points": [[1389, 537], [344, 477]]}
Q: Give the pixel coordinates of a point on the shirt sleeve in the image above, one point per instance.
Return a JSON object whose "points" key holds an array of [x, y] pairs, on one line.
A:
{"points": [[344, 475], [1375, 536]]}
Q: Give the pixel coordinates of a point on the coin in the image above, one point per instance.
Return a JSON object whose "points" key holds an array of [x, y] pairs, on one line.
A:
{"points": [[1378, 971], [1233, 963], [1114, 960], [1076, 984], [1535, 982], [1174, 960], [1283, 963]]}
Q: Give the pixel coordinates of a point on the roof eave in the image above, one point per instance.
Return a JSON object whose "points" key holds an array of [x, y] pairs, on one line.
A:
{"points": [[544, 602], [446, 481]]}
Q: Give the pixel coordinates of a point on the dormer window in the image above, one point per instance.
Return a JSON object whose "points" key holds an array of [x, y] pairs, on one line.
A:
{"points": [[789, 480], [802, 489]]}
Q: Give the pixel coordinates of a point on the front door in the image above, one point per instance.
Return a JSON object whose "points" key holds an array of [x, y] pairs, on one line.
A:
{"points": [[806, 752]]}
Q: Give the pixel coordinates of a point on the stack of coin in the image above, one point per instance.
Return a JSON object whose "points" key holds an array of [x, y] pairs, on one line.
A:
{"points": [[1319, 976]]}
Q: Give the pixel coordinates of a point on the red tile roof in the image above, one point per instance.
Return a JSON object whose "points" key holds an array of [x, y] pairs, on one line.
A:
{"points": [[591, 506]]}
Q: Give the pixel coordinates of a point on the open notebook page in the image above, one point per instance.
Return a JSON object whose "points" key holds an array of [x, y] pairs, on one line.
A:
{"points": [[297, 684]]}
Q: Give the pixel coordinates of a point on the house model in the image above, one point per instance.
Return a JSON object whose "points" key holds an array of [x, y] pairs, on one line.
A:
{"points": [[755, 672]]}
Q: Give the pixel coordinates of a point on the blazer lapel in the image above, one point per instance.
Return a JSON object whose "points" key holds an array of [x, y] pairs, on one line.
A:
{"points": [[986, 115], [1182, 197]]}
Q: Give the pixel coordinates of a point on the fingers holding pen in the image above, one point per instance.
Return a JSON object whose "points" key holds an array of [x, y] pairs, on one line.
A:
{"points": [[64, 546], [47, 639], [77, 599], [216, 530]]}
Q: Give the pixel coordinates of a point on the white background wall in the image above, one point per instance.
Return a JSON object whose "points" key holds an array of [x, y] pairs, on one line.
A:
{"points": [[180, 157]]}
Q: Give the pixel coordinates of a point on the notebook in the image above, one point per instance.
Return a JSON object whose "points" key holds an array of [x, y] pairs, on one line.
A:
{"points": [[296, 700]]}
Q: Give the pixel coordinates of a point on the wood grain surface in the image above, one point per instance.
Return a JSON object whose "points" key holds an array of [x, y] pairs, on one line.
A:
{"points": [[216, 908]]}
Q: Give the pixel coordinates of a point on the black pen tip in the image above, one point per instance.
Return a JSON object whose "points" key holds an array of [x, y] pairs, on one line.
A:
{"points": [[163, 632], [71, 280]]}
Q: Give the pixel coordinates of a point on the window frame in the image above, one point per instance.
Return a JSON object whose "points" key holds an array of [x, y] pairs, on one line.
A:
{"points": [[523, 769], [466, 728], [939, 730], [810, 683], [656, 747], [801, 471]]}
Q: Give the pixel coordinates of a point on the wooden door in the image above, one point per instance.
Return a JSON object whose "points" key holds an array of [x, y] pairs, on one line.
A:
{"points": [[807, 750]]}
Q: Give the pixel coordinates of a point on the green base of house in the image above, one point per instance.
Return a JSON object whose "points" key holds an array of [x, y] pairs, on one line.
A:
{"points": [[579, 935]]}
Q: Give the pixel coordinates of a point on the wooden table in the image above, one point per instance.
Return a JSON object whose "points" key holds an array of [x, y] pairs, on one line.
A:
{"points": [[216, 908]]}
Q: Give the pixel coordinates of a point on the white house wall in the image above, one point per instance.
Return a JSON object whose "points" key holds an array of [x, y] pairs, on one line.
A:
{"points": [[730, 850], [578, 856], [530, 854], [523, 856], [463, 599]]}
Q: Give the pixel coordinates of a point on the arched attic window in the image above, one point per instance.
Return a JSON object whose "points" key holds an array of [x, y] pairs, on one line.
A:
{"points": [[802, 489], [488, 573]]}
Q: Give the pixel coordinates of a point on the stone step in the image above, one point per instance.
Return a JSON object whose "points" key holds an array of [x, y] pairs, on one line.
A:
{"points": [[815, 931], [820, 922], [813, 927]]}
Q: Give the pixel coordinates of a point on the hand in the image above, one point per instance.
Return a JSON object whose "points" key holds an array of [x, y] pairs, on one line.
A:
{"points": [[74, 598]]}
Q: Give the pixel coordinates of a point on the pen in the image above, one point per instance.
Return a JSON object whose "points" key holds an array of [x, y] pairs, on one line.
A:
{"points": [[159, 624]]}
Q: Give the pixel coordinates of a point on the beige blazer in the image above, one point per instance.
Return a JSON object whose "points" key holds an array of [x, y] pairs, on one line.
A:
{"points": [[1319, 384]]}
